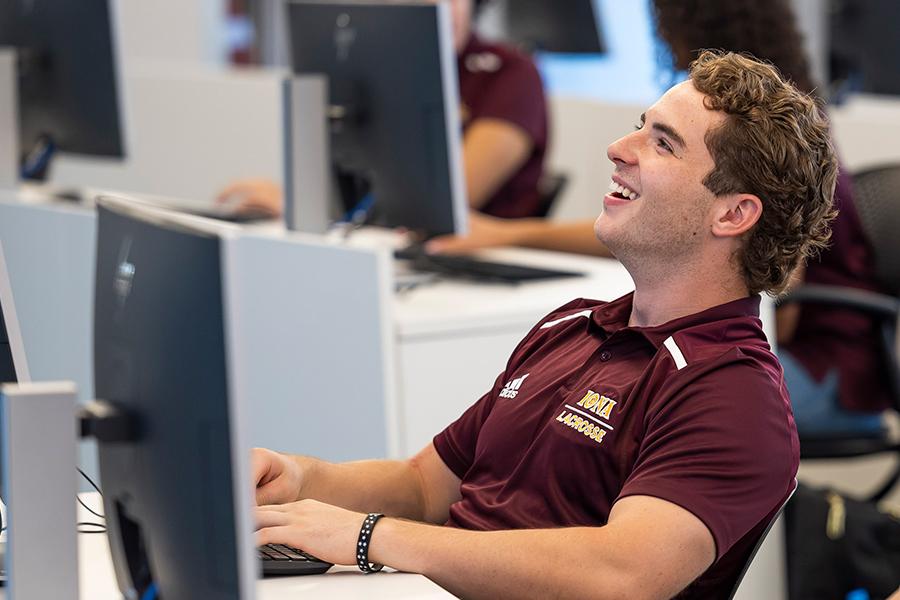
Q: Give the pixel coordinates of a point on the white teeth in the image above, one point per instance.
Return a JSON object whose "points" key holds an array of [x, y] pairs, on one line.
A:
{"points": [[621, 189]]}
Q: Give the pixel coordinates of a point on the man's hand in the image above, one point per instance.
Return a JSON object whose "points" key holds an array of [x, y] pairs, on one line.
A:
{"points": [[327, 532], [278, 477]]}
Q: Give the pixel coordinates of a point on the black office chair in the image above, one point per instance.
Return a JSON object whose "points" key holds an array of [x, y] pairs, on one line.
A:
{"points": [[550, 188], [878, 205], [759, 543]]}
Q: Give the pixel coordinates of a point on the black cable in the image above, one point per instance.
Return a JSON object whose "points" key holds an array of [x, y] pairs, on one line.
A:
{"points": [[96, 487], [90, 481], [93, 527], [88, 508]]}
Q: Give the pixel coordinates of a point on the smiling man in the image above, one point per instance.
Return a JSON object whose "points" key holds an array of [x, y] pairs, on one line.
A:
{"points": [[631, 449]]}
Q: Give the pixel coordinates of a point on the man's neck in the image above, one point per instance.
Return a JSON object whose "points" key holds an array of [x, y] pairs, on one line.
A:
{"points": [[675, 293]]}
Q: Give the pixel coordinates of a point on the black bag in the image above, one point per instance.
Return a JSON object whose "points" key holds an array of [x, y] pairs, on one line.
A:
{"points": [[837, 544]]}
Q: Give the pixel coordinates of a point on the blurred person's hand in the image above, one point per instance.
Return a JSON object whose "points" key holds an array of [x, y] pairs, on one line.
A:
{"points": [[257, 196], [484, 232]]}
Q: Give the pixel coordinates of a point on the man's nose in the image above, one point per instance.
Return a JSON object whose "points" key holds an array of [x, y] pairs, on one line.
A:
{"points": [[621, 152]]}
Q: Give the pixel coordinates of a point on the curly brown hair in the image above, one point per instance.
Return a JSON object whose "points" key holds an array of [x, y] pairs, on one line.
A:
{"points": [[767, 29], [775, 144]]}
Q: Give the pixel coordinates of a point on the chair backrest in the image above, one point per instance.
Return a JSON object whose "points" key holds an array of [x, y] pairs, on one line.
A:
{"points": [[759, 542], [877, 200], [550, 187]]}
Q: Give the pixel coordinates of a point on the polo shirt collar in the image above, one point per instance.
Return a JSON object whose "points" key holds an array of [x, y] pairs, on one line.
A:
{"points": [[613, 316], [473, 44]]}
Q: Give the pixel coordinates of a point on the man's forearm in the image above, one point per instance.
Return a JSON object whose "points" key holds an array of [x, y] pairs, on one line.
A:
{"points": [[555, 563], [388, 486]]}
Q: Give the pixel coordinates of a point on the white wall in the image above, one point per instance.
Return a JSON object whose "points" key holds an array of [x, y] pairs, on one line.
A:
{"points": [[188, 32], [867, 130], [581, 131], [189, 130]]}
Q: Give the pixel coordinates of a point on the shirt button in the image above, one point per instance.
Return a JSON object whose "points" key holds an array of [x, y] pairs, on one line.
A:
{"points": [[605, 355]]}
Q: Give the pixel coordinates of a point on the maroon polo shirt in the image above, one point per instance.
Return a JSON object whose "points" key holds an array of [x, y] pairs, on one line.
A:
{"points": [[497, 82], [589, 410], [832, 338]]}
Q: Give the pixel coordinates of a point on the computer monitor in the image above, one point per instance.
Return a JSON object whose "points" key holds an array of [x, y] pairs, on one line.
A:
{"points": [[177, 496], [395, 104], [864, 53], [571, 26], [68, 95], [13, 366]]}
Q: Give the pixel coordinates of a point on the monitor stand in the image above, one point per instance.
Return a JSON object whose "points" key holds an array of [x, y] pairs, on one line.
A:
{"points": [[307, 182], [37, 427], [9, 122]]}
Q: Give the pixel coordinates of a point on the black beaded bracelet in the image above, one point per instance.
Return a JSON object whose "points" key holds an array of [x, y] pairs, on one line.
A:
{"points": [[362, 545]]}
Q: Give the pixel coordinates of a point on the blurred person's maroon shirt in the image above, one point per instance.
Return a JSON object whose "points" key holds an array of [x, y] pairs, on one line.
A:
{"points": [[589, 411], [497, 82]]}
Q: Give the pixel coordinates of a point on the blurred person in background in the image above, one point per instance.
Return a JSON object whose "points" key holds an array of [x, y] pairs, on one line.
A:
{"points": [[505, 129], [830, 355]]}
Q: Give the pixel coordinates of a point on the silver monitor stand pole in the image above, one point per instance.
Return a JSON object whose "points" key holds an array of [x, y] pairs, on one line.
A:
{"points": [[307, 189], [9, 126]]}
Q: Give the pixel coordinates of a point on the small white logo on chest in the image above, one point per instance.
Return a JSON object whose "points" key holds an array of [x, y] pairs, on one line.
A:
{"points": [[511, 389]]}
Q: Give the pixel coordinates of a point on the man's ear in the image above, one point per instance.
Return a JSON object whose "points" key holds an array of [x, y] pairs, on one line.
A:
{"points": [[735, 214]]}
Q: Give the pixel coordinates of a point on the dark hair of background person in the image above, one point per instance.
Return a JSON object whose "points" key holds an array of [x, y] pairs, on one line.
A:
{"points": [[767, 29]]}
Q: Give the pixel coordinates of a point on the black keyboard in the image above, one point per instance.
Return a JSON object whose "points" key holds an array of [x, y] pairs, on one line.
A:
{"points": [[466, 267], [278, 559]]}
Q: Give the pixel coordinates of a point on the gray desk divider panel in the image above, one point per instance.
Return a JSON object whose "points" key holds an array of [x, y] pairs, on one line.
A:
{"points": [[314, 345], [50, 253]]}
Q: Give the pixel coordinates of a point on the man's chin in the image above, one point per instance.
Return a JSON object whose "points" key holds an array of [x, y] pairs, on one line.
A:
{"points": [[602, 228]]}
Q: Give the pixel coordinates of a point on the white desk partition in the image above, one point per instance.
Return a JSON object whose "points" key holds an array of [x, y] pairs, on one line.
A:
{"points": [[315, 336]]}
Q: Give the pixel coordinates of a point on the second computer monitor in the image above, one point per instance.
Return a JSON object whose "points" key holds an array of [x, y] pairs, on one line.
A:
{"points": [[571, 26], [394, 101], [68, 91]]}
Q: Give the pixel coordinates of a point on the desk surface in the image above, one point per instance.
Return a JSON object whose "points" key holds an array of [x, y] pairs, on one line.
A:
{"points": [[454, 306], [97, 578]]}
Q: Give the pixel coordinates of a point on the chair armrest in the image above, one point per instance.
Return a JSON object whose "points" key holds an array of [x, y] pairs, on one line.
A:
{"points": [[880, 305]]}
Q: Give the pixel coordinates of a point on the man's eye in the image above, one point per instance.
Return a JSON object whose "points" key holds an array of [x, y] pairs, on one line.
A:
{"points": [[665, 145]]}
